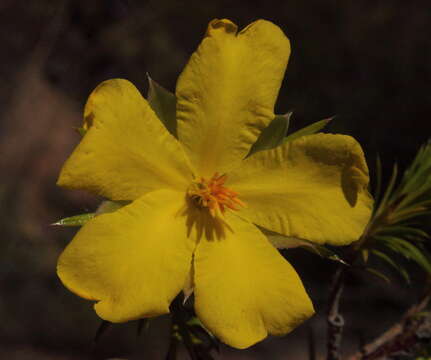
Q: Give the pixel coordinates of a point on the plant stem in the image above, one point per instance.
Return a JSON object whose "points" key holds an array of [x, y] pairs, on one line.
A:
{"points": [[400, 336], [335, 320]]}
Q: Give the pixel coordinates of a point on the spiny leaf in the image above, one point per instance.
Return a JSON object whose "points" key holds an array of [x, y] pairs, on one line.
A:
{"points": [[273, 134], [163, 102], [308, 130], [77, 220]]}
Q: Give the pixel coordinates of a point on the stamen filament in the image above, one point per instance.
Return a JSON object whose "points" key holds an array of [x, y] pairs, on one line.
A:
{"points": [[212, 194]]}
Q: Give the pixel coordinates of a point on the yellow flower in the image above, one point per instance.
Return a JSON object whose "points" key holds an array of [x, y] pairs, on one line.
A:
{"points": [[196, 199]]}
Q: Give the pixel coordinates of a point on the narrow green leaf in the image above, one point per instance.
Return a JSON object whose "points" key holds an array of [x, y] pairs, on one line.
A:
{"points": [[308, 130], [327, 254], [402, 231], [81, 131], [163, 102], [77, 220], [378, 187], [379, 275], [385, 258], [143, 324], [406, 249], [205, 337], [106, 206], [322, 251], [187, 340], [418, 173], [284, 242], [388, 192], [173, 347], [410, 214], [410, 197], [423, 204], [109, 206], [365, 254], [103, 327], [273, 134]]}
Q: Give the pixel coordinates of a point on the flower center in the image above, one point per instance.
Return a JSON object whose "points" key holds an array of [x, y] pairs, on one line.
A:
{"points": [[212, 194]]}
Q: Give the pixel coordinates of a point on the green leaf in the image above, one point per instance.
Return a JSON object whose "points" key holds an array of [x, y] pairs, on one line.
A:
{"points": [[403, 231], [417, 175], [324, 252], [273, 135], [163, 102], [81, 131], [143, 324], [378, 186], [387, 195], [77, 220], [109, 206], [173, 348], [406, 249], [308, 130], [286, 242], [103, 327], [410, 214], [106, 206], [385, 258], [379, 275], [365, 254]]}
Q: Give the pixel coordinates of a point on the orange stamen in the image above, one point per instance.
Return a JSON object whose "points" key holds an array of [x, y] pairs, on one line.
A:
{"points": [[212, 194]]}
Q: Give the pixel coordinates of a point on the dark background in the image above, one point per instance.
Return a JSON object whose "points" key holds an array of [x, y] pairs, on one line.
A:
{"points": [[368, 62]]}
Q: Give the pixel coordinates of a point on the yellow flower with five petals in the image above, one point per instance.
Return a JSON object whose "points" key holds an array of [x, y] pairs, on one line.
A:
{"points": [[197, 199]]}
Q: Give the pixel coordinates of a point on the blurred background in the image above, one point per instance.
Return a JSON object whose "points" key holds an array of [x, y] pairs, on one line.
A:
{"points": [[368, 63]]}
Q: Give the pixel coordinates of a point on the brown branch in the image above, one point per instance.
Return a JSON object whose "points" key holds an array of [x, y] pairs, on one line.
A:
{"points": [[335, 320], [400, 336]]}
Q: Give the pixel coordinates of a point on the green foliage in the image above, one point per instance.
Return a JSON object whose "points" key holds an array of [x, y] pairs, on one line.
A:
{"points": [[163, 102], [323, 251], [109, 206], [273, 135], [308, 130], [396, 227], [81, 131], [285, 242], [189, 331], [106, 206], [77, 220]]}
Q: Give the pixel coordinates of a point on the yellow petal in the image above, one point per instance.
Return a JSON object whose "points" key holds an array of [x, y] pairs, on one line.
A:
{"points": [[244, 289], [227, 91], [314, 188], [129, 260], [126, 151]]}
